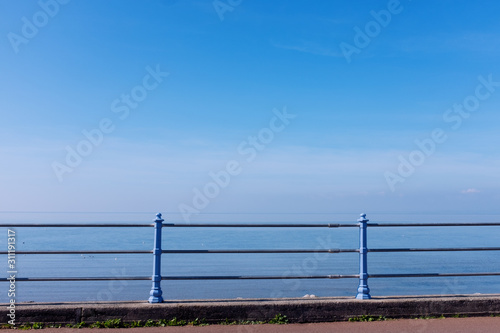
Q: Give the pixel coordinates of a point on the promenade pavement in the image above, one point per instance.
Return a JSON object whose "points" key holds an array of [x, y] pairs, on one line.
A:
{"points": [[446, 325]]}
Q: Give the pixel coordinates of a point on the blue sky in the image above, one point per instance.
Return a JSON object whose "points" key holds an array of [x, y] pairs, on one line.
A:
{"points": [[204, 77]]}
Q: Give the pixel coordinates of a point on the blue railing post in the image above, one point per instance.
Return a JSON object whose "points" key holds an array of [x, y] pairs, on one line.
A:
{"points": [[155, 293], [363, 290]]}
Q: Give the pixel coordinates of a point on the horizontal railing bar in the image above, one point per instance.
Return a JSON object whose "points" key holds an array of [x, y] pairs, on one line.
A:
{"points": [[242, 225], [77, 252], [81, 278], [450, 249], [261, 251], [73, 225], [242, 277], [473, 224], [245, 225], [258, 225], [237, 277], [266, 251], [431, 275]]}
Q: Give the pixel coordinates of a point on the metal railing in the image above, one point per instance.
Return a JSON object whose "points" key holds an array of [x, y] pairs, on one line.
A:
{"points": [[363, 291]]}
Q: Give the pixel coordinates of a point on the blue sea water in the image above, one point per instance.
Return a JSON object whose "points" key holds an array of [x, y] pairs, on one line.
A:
{"points": [[50, 239]]}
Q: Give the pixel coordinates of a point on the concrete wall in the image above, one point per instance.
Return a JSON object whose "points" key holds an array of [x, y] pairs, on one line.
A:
{"points": [[297, 310]]}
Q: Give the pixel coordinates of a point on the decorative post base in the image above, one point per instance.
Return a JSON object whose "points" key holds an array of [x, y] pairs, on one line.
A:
{"points": [[363, 293], [155, 295]]}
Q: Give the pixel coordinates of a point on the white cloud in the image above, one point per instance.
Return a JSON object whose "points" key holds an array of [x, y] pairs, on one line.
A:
{"points": [[470, 190]]}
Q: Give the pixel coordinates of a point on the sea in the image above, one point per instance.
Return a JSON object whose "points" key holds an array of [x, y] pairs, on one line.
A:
{"points": [[282, 265]]}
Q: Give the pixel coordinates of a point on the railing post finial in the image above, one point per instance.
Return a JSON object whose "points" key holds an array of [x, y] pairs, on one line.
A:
{"points": [[363, 290], [156, 293]]}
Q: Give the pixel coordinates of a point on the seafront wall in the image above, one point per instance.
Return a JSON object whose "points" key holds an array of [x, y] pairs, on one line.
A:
{"points": [[297, 310]]}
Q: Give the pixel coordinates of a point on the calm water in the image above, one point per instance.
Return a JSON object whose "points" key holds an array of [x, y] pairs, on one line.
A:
{"points": [[38, 239]]}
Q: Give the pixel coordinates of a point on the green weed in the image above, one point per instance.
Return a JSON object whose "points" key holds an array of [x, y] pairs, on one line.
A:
{"points": [[279, 319], [368, 318], [149, 323]]}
